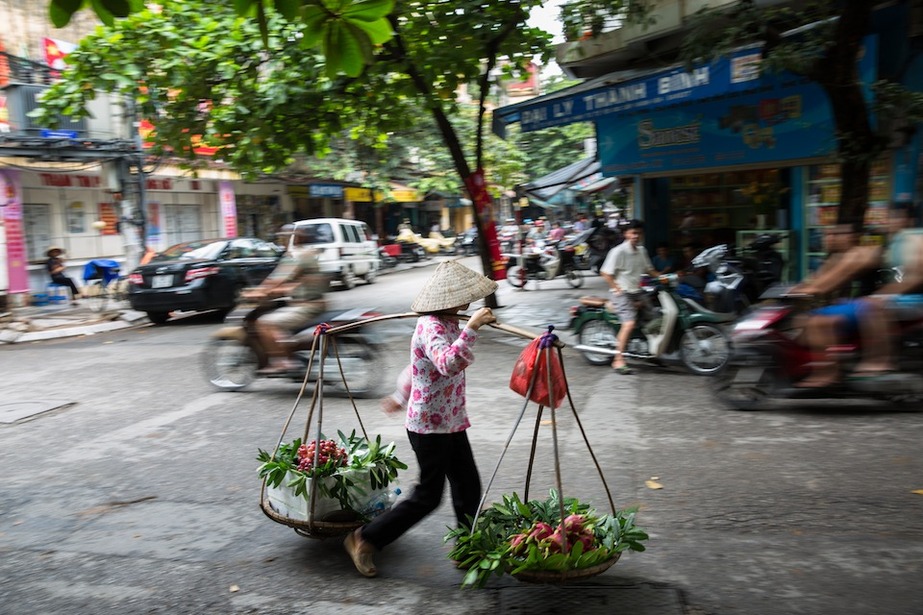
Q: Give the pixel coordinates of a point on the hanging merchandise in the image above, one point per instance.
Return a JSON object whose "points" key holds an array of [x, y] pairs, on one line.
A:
{"points": [[554, 540], [537, 373], [321, 486]]}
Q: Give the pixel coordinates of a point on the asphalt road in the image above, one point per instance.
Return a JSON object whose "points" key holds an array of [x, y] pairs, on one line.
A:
{"points": [[137, 491]]}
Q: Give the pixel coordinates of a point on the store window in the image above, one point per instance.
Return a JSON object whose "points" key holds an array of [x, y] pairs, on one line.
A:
{"points": [[823, 203], [709, 209], [76, 217], [37, 221]]}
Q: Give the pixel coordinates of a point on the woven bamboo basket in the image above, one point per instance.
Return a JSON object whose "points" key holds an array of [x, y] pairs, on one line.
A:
{"points": [[557, 577]]}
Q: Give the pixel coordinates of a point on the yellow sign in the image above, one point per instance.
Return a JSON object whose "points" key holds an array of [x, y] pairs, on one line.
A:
{"points": [[362, 195], [405, 195]]}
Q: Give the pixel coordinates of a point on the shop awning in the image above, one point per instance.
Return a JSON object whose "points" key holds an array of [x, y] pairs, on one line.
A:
{"points": [[546, 187]]}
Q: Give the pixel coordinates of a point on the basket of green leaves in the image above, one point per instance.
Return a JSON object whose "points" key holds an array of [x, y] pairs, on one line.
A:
{"points": [[531, 541]]}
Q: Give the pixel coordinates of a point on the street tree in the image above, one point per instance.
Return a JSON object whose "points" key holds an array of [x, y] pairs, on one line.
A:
{"points": [[265, 87]]}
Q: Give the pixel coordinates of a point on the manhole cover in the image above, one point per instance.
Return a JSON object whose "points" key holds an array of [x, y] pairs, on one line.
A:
{"points": [[13, 411], [641, 599]]}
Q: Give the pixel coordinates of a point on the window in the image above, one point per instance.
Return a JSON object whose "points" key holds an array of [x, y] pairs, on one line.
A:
{"points": [[76, 218], [37, 222], [352, 233]]}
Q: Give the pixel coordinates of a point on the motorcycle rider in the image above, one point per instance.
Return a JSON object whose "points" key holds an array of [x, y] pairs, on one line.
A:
{"points": [[622, 271], [299, 277], [902, 297], [847, 264]]}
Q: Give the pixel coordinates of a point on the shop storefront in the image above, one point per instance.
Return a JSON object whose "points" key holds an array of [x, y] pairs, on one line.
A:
{"points": [[80, 213], [724, 153]]}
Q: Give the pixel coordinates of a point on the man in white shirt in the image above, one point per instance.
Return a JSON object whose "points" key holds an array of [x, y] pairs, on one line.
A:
{"points": [[622, 271]]}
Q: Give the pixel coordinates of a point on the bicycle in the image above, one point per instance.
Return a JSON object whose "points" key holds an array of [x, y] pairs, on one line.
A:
{"points": [[103, 284]]}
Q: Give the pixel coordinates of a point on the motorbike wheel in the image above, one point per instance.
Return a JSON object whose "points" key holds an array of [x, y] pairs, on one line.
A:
{"points": [[363, 368], [753, 394], [600, 334], [229, 365], [516, 276], [705, 349], [574, 278]]}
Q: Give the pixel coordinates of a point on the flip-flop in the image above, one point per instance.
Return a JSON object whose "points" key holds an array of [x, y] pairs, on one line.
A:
{"points": [[623, 370]]}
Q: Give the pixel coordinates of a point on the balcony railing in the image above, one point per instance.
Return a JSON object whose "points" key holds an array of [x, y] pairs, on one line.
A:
{"points": [[15, 70]]}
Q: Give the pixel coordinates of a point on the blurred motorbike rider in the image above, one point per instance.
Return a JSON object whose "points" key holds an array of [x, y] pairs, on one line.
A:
{"points": [[901, 298], [622, 271], [849, 271], [297, 276]]}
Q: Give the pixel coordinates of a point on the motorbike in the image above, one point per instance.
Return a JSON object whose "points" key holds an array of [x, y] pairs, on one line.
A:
{"points": [[543, 262], [670, 329], [444, 245], [467, 242], [234, 354], [737, 281], [771, 355], [408, 251], [388, 260]]}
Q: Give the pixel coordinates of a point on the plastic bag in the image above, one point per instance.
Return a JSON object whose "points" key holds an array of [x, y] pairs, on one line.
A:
{"points": [[533, 364]]}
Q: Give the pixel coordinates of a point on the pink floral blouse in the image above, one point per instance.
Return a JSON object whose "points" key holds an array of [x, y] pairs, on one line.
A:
{"points": [[433, 385]]}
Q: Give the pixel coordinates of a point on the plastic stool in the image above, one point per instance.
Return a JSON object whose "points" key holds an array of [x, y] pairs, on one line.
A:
{"points": [[39, 299], [57, 293]]}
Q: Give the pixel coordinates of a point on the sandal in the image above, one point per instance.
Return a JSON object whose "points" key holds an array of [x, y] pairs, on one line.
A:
{"points": [[624, 370], [361, 553]]}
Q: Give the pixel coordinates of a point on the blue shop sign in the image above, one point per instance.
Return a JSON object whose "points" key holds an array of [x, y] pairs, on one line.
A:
{"points": [[738, 73], [328, 191], [786, 118]]}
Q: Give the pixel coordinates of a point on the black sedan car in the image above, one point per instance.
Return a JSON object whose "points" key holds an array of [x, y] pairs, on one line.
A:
{"points": [[200, 275]]}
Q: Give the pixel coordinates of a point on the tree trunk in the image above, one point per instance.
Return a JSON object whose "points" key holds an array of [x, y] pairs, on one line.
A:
{"points": [[451, 141], [838, 73]]}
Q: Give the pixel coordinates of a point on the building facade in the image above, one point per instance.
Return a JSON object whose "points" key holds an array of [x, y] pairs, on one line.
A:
{"points": [[725, 152]]}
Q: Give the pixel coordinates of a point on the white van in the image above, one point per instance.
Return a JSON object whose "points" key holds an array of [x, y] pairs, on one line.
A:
{"points": [[347, 250]]}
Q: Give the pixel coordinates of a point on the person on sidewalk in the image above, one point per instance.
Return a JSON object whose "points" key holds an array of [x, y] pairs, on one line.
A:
{"points": [[432, 388], [297, 276], [56, 268], [622, 271]]}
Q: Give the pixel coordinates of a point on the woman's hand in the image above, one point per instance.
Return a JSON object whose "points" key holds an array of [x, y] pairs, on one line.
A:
{"points": [[482, 317]]}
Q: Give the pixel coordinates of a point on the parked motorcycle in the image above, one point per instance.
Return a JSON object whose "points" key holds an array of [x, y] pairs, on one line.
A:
{"points": [[467, 242], [543, 262], [771, 355], [670, 330], [234, 354], [389, 255]]}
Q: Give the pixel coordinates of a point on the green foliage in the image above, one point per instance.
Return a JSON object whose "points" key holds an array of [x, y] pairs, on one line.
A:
{"points": [[512, 536], [380, 461]]}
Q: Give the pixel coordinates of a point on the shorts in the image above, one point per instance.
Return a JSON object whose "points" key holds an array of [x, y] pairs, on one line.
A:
{"points": [[905, 307], [291, 317], [625, 306], [849, 311]]}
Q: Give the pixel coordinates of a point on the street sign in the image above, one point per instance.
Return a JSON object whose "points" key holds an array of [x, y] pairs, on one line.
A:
{"points": [[58, 134]]}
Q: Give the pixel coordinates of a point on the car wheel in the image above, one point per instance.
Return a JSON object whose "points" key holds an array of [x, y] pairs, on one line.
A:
{"points": [[228, 364], [158, 318], [370, 275], [348, 279]]}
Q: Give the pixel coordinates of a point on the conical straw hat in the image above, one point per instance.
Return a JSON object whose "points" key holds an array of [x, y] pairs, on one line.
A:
{"points": [[452, 285]]}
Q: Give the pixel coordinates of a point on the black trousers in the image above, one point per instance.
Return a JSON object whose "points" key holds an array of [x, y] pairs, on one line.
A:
{"points": [[63, 280], [440, 456]]}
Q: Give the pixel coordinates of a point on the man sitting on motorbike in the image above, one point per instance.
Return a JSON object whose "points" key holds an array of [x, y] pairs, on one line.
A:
{"points": [[622, 271], [850, 271], [901, 298], [297, 276]]}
